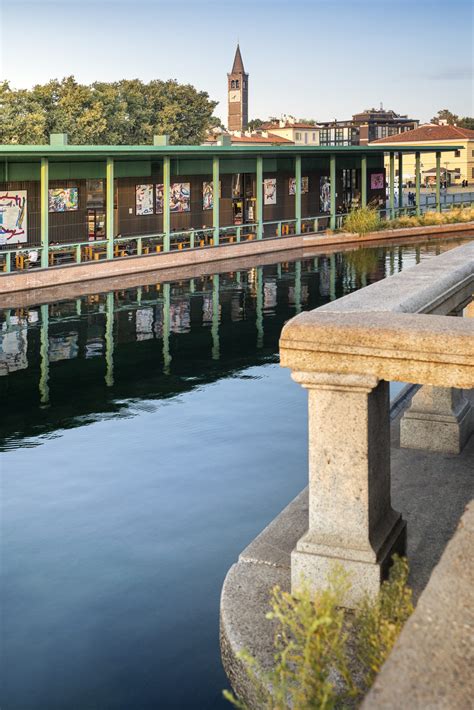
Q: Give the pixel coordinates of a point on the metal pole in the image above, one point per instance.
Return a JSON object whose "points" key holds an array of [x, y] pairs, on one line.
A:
{"points": [[215, 199], [400, 180], [332, 186], [166, 202], [363, 181], [392, 185], [438, 181], [109, 206], [298, 194], [417, 182], [44, 178], [259, 196]]}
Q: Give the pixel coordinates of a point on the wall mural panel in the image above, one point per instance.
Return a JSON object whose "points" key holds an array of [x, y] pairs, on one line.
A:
{"points": [[63, 199], [304, 186], [180, 197], [270, 191], [325, 193], [208, 195], [143, 199], [377, 181], [13, 216]]}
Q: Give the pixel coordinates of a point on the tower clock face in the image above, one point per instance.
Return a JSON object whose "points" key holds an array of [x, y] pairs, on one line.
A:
{"points": [[234, 96]]}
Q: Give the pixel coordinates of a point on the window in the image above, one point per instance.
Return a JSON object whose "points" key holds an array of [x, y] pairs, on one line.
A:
{"points": [[237, 83], [297, 136], [314, 139], [244, 84], [324, 136], [472, 172], [472, 153], [305, 137], [339, 136], [457, 153], [232, 84]]}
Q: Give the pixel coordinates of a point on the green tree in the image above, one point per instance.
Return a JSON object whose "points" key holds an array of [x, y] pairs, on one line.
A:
{"points": [[255, 124], [126, 112], [467, 122], [445, 115]]}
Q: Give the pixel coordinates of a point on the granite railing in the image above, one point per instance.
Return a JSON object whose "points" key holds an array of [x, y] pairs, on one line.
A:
{"points": [[345, 354]]}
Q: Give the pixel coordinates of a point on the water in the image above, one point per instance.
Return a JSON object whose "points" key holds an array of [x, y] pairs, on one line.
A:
{"points": [[144, 446]]}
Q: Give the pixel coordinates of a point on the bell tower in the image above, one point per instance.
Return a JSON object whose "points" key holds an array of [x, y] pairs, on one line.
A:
{"points": [[237, 95]]}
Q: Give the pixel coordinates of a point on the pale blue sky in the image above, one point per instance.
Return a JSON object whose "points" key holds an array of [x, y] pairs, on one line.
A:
{"points": [[309, 58]]}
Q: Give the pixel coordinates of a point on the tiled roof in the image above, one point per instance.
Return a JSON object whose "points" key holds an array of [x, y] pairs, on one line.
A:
{"points": [[429, 132], [259, 139], [275, 126]]}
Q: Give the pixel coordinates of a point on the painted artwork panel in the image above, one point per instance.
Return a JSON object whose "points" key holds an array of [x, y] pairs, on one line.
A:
{"points": [[325, 193], [13, 217], [377, 181], [143, 200], [63, 199], [208, 195], [159, 198], [304, 186], [269, 191], [180, 197]]}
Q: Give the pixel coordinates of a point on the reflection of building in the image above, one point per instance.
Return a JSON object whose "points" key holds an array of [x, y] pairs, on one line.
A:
{"points": [[63, 347], [237, 94], [455, 166], [13, 348]]}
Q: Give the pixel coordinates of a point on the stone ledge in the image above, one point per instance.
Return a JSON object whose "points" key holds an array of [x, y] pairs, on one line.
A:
{"points": [[431, 665]]}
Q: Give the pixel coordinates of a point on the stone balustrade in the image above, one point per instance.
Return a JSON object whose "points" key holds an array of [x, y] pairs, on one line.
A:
{"points": [[345, 353]]}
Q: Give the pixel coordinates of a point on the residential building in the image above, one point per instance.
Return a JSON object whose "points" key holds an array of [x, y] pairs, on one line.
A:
{"points": [[364, 127], [298, 132], [455, 167]]}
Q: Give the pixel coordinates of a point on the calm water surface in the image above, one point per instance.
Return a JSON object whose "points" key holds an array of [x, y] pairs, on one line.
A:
{"points": [[147, 436]]}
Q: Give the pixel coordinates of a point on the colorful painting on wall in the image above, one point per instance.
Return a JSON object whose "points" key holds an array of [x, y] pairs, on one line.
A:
{"points": [[269, 191], [143, 200], [63, 199], [377, 181], [13, 217], [325, 193], [180, 197], [304, 186], [159, 198], [208, 195]]}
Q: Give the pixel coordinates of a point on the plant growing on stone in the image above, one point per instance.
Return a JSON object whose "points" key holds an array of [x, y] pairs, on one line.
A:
{"points": [[325, 656]]}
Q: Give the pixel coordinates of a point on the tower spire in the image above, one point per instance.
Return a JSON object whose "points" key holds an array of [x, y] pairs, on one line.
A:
{"points": [[238, 65]]}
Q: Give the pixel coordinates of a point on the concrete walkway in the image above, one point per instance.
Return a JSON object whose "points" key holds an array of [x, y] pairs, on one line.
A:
{"points": [[430, 490]]}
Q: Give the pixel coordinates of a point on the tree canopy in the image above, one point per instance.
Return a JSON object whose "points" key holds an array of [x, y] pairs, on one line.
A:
{"points": [[126, 112], [453, 119]]}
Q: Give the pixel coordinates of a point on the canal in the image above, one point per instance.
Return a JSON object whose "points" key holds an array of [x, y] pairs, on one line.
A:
{"points": [[147, 436]]}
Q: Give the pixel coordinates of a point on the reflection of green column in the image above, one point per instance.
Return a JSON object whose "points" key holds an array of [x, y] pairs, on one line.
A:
{"points": [[316, 263], [332, 185], [166, 202], [363, 181], [166, 328], [192, 286], [417, 255], [259, 196], [109, 340], [418, 182], [139, 295], [332, 277], [44, 355], [237, 277], [279, 271], [298, 194], [363, 279], [109, 207], [259, 307], [215, 198], [78, 306], [438, 181], [298, 286], [392, 261], [215, 317], [44, 207]]}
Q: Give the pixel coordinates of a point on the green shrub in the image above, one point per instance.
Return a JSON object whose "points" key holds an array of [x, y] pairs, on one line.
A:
{"points": [[326, 656], [362, 220]]}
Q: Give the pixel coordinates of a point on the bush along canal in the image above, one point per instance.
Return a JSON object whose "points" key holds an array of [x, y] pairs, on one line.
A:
{"points": [[147, 436]]}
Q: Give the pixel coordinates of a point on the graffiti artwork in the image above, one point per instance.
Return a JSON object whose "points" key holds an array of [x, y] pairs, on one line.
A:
{"points": [[304, 186], [159, 198], [143, 200], [13, 217], [180, 197], [63, 199], [269, 191], [325, 194], [208, 195], [377, 181]]}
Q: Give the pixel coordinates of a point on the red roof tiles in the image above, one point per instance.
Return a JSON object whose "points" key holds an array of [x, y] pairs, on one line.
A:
{"points": [[429, 132]]}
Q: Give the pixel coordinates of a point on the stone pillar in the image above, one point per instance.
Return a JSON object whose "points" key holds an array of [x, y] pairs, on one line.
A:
{"points": [[439, 419], [351, 521]]}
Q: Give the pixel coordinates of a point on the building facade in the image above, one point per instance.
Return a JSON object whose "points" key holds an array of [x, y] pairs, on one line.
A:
{"points": [[237, 95]]}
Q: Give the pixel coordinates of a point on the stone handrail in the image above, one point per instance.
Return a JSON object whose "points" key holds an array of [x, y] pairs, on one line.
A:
{"points": [[345, 353]]}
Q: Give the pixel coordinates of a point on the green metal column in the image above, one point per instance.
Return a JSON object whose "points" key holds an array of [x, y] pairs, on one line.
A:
{"points": [[298, 194], [332, 185], [215, 318], [44, 178], [44, 355], [417, 182], [363, 181], [438, 181], [392, 185], [259, 306], [109, 339], [259, 196], [215, 199], [166, 327], [166, 202], [109, 206], [400, 180]]}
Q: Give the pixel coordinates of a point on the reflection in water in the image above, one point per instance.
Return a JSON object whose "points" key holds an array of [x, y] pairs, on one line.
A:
{"points": [[148, 435]]}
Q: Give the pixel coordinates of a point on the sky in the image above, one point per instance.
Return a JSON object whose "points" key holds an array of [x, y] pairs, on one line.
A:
{"points": [[308, 58]]}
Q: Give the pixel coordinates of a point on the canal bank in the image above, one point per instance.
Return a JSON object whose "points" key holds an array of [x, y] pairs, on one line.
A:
{"points": [[188, 259]]}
